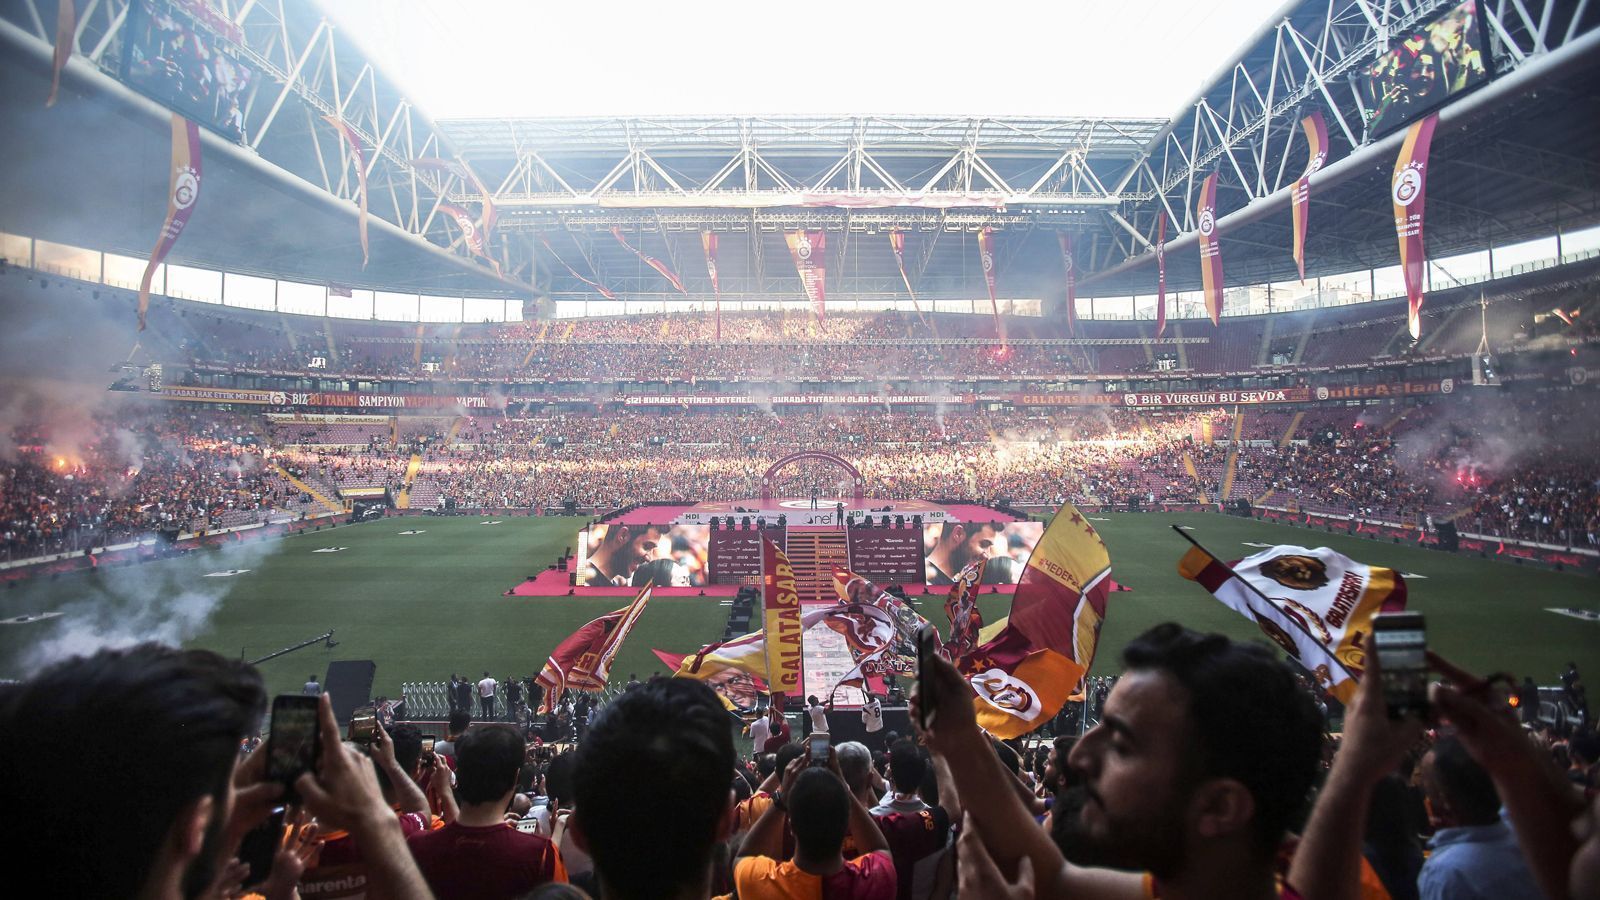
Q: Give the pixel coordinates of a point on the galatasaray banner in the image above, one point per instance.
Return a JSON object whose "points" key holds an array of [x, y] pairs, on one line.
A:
{"points": [[897, 242], [469, 229], [736, 669], [781, 620], [1311, 603], [583, 660], [807, 248], [1317, 143], [651, 261], [986, 257], [66, 36], [1069, 263], [594, 284], [460, 170], [360, 154], [708, 242], [1161, 276], [1210, 250], [183, 192], [1408, 191], [962, 609], [1022, 677]]}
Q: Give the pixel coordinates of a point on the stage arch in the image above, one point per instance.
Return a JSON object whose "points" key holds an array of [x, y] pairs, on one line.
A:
{"points": [[833, 459]]}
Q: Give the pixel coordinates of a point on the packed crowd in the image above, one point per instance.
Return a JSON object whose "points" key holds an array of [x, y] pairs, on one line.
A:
{"points": [[1506, 467], [1210, 774]]}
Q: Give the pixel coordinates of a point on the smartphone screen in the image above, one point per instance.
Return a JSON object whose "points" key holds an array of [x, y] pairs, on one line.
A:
{"points": [[927, 647], [819, 750], [1400, 641], [427, 743], [293, 739], [363, 724]]}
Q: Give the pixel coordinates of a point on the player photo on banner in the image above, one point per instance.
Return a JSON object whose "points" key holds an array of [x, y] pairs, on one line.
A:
{"points": [[948, 547], [633, 555]]}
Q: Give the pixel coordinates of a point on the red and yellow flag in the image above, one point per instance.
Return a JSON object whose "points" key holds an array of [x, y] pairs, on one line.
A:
{"points": [[1070, 264], [183, 192], [1210, 249], [987, 259], [781, 620], [583, 660], [359, 154], [897, 242], [1161, 276], [66, 36], [660, 267], [1313, 603], [1408, 190], [604, 292], [1022, 677], [1316, 130], [807, 248], [708, 242]]}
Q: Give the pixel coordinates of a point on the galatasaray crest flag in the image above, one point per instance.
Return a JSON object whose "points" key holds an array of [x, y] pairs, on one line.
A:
{"points": [[736, 669], [1210, 249], [183, 192], [1070, 264], [1313, 603], [1408, 190], [1024, 674], [807, 248], [583, 660], [781, 624], [962, 609], [660, 267], [1161, 276], [1316, 130]]}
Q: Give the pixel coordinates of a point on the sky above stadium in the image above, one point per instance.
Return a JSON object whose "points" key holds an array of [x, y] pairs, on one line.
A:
{"points": [[466, 58]]}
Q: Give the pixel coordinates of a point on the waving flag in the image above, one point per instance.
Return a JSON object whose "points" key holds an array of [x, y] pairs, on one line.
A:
{"points": [[708, 242], [183, 192], [487, 221], [1313, 603], [1317, 144], [1210, 249], [1070, 264], [736, 669], [651, 261], [1408, 190], [594, 284], [470, 232], [962, 608], [583, 660], [359, 153], [1025, 673], [807, 248], [1161, 276], [781, 620]]}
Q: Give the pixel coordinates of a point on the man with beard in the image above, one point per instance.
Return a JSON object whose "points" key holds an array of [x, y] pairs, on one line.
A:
{"points": [[1202, 762], [621, 549], [960, 543]]}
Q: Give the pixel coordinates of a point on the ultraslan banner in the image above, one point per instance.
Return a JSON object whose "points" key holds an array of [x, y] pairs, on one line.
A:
{"points": [[780, 602], [807, 248], [1210, 249], [183, 192], [1316, 130], [1408, 190]]}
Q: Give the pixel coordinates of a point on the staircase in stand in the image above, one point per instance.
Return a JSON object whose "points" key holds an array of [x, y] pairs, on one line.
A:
{"points": [[814, 552]]}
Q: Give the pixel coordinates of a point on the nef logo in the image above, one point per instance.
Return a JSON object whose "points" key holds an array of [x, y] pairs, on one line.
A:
{"points": [[185, 188], [1208, 222], [1408, 184], [803, 247]]}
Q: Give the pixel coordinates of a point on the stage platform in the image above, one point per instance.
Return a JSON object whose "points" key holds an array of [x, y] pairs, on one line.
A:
{"points": [[799, 511]]}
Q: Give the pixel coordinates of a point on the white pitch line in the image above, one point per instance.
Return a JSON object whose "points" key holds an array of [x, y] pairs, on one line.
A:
{"points": [[227, 574]]}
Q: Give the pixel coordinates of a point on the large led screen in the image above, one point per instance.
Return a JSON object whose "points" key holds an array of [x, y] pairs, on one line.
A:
{"points": [[947, 547], [635, 555], [185, 66], [1425, 68]]}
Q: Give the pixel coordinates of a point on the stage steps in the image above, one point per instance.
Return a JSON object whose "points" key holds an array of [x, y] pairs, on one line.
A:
{"points": [[403, 501], [1288, 433], [814, 552], [1194, 475], [1233, 455]]}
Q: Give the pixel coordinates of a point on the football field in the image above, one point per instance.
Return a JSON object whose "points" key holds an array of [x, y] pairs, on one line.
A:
{"points": [[422, 597]]}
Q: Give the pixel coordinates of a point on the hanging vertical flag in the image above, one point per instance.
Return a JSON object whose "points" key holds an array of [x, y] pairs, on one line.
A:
{"points": [[1317, 145], [594, 284], [781, 621], [807, 248], [183, 191], [470, 232], [1408, 191], [1313, 603], [651, 261], [986, 256], [583, 660], [1070, 264], [1024, 674], [487, 220], [962, 609], [1210, 249], [66, 36], [360, 154], [897, 242], [708, 241], [1161, 276]]}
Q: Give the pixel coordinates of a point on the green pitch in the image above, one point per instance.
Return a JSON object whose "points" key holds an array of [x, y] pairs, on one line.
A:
{"points": [[428, 604]]}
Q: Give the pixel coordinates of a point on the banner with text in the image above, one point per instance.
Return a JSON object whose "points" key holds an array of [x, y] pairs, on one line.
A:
{"points": [[807, 248]]}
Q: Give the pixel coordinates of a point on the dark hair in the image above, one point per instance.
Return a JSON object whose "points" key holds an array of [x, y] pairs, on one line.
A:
{"points": [[459, 720], [487, 762], [766, 763], [819, 813], [1466, 786], [1248, 720], [1585, 746], [652, 784], [558, 780], [786, 754], [407, 746], [156, 727], [906, 766]]}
